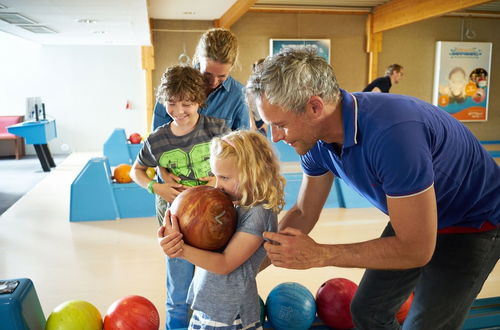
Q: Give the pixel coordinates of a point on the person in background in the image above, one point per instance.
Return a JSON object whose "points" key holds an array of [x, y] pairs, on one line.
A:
{"points": [[182, 147], [223, 294], [411, 160], [393, 75]]}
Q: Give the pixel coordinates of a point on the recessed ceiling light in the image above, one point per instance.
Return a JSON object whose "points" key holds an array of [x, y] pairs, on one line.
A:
{"points": [[189, 13], [87, 21], [37, 28], [16, 18]]}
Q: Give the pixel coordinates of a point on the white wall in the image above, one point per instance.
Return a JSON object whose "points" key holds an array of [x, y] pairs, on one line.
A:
{"points": [[85, 88]]}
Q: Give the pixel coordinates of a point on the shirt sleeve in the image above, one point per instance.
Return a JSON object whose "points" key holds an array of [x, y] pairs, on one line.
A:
{"points": [[402, 159], [311, 164], [160, 116], [145, 156], [241, 120], [258, 220]]}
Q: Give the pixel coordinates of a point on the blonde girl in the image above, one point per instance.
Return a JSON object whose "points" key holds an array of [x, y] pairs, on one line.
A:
{"points": [[223, 292]]}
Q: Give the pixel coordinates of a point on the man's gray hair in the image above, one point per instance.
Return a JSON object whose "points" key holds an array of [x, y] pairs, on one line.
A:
{"points": [[289, 79]]}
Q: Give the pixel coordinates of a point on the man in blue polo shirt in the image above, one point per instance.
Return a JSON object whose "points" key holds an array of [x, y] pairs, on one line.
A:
{"points": [[414, 162]]}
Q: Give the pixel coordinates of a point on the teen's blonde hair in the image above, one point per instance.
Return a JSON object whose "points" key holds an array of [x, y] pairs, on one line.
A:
{"points": [[259, 169], [217, 44]]}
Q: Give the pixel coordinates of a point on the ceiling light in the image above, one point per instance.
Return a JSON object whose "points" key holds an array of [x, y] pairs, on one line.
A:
{"points": [[37, 28], [189, 12], [16, 18], [87, 21], [99, 32]]}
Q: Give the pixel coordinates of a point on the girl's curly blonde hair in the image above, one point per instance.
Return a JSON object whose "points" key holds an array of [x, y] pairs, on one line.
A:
{"points": [[259, 171]]}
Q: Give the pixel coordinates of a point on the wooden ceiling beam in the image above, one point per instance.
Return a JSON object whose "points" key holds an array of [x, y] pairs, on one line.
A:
{"points": [[305, 10], [397, 13], [233, 14]]}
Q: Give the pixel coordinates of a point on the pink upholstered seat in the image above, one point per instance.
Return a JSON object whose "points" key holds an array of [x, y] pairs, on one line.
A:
{"points": [[6, 121]]}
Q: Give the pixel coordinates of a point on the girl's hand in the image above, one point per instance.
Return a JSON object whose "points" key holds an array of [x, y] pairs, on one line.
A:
{"points": [[169, 236]]}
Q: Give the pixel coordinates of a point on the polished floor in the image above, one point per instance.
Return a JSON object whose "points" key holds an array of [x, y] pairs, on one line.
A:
{"points": [[102, 261]]}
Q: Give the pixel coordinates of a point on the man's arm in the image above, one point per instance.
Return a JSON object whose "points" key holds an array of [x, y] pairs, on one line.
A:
{"points": [[414, 219], [305, 213], [312, 196]]}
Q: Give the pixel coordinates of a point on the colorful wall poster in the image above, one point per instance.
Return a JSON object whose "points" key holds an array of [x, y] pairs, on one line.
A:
{"points": [[322, 45], [462, 79]]}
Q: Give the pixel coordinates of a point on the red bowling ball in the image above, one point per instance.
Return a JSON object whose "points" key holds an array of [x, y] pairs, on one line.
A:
{"points": [[132, 313], [333, 302]]}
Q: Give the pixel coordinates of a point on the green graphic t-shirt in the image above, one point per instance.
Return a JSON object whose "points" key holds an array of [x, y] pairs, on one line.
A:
{"points": [[187, 156]]}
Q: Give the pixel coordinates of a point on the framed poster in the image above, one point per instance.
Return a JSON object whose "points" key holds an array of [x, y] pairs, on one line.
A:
{"points": [[462, 79], [322, 45]]}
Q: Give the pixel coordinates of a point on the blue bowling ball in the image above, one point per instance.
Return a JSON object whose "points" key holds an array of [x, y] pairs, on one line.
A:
{"points": [[290, 306]]}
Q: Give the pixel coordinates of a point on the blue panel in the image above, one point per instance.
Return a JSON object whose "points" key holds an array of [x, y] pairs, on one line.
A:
{"points": [[293, 182], [484, 314], [284, 152], [350, 197], [20, 309], [134, 201], [118, 150], [35, 132], [133, 150], [494, 153], [92, 194]]}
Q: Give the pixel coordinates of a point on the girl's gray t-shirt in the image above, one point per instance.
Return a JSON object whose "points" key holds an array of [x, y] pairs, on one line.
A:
{"points": [[224, 297]]}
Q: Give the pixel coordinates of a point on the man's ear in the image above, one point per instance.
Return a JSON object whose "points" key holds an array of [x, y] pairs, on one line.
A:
{"points": [[315, 105]]}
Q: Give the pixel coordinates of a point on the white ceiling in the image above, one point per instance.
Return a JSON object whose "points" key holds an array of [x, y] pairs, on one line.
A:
{"points": [[126, 22], [117, 22]]}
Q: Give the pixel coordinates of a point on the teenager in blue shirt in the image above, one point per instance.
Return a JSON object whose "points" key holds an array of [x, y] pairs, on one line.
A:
{"points": [[413, 161]]}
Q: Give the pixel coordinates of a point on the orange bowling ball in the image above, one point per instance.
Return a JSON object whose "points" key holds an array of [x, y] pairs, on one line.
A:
{"points": [[405, 308], [207, 217], [121, 174]]}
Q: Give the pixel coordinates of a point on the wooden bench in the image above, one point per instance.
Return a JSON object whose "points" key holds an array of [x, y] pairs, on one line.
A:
{"points": [[8, 140]]}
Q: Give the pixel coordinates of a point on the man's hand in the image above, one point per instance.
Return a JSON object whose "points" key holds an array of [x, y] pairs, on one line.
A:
{"points": [[290, 248], [169, 236]]}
